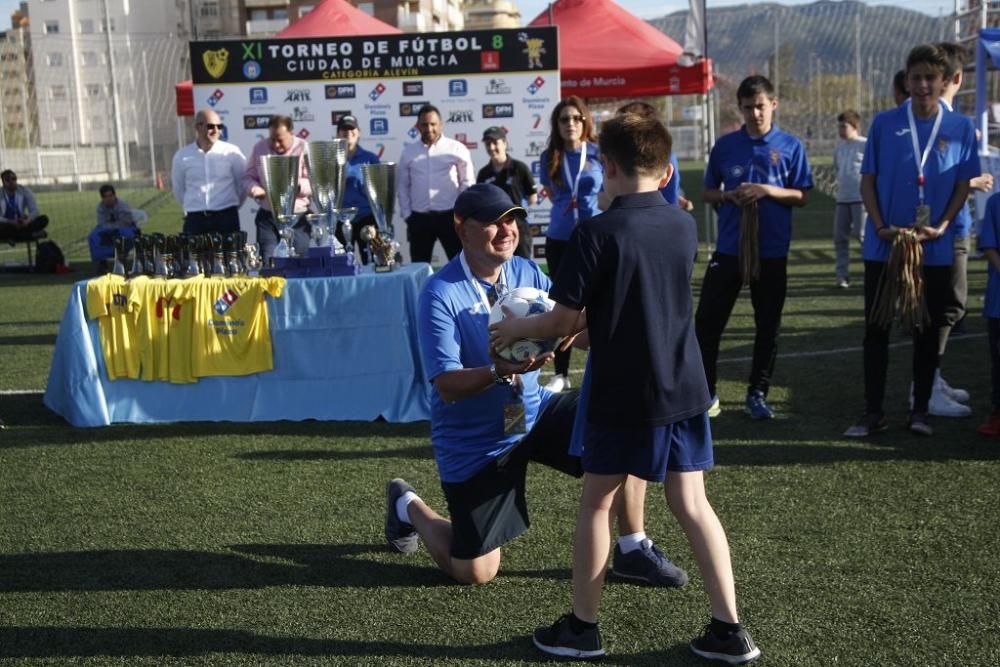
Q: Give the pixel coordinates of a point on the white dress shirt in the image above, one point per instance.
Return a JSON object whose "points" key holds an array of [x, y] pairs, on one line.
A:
{"points": [[209, 180], [431, 177]]}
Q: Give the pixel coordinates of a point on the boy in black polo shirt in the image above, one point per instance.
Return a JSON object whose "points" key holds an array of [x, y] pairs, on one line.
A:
{"points": [[631, 269]]}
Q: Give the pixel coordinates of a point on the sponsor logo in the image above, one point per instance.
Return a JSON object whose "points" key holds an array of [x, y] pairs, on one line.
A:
{"points": [[536, 168], [497, 87], [461, 116], [900, 132], [536, 120], [251, 70], [458, 88], [410, 108], [736, 171], [377, 91], [413, 88], [534, 48], [534, 148], [413, 133], [226, 301], [775, 156], [463, 138], [489, 61], [379, 150], [302, 115], [498, 110], [215, 97], [215, 62], [536, 85], [378, 126], [258, 95], [258, 122], [341, 92], [303, 133], [298, 95], [335, 116]]}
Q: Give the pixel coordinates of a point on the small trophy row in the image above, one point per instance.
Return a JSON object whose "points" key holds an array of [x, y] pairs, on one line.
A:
{"points": [[185, 255], [327, 166]]}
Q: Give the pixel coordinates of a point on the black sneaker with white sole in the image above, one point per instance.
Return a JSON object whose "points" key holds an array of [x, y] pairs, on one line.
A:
{"points": [[736, 649], [400, 535], [559, 640]]}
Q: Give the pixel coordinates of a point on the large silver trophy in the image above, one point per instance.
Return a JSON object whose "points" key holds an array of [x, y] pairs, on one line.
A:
{"points": [[281, 180], [327, 176], [380, 186]]}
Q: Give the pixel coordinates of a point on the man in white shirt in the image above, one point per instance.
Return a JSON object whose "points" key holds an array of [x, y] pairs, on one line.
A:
{"points": [[207, 179], [849, 216], [431, 174]]}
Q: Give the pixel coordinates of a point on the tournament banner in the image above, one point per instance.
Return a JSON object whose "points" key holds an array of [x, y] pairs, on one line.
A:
{"points": [[477, 78]]}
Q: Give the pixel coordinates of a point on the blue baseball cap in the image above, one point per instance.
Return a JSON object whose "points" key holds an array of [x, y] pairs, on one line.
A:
{"points": [[486, 203]]}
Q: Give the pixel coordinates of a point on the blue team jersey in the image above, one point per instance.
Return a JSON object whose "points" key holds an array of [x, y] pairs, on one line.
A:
{"points": [[990, 238], [889, 157], [672, 190], [561, 223], [453, 332], [354, 187], [777, 158]]}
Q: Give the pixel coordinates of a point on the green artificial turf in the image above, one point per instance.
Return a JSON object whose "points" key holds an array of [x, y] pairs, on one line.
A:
{"points": [[262, 543]]}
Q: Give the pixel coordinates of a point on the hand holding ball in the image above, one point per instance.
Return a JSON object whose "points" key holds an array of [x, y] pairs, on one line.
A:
{"points": [[523, 302]]}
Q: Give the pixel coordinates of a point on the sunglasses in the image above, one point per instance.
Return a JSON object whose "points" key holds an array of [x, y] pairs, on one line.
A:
{"points": [[566, 120], [213, 126]]}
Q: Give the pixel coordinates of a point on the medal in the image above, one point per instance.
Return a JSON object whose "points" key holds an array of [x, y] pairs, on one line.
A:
{"points": [[923, 216]]}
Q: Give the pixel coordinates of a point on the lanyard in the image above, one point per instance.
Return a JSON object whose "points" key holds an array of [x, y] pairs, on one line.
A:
{"points": [[576, 181], [501, 281], [921, 158]]}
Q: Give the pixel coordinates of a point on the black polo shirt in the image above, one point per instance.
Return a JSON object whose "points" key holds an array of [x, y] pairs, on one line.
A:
{"points": [[514, 178], [631, 267]]}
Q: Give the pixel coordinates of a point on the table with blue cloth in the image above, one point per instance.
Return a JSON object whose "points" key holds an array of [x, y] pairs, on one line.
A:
{"points": [[345, 348]]}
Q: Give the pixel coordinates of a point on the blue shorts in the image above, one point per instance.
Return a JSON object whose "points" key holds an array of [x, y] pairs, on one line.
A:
{"points": [[648, 452]]}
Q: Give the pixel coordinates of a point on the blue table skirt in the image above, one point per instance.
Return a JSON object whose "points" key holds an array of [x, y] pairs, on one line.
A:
{"points": [[345, 348]]}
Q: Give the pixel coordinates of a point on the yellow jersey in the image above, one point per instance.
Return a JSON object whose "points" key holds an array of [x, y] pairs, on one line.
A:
{"points": [[165, 324], [108, 302], [231, 333]]}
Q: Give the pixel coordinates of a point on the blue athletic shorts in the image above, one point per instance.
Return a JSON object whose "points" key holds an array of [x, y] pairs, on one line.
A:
{"points": [[648, 452]]}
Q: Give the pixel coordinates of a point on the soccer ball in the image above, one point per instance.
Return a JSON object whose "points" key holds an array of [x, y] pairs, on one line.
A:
{"points": [[524, 302]]}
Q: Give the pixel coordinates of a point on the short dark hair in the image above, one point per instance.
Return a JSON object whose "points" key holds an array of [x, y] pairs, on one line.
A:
{"points": [[639, 109], [636, 144], [928, 54], [850, 116], [956, 56], [752, 86], [106, 188], [280, 120], [428, 108], [899, 83], [7, 173]]}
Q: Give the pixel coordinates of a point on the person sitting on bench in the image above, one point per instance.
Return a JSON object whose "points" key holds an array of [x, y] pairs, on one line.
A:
{"points": [[19, 218]]}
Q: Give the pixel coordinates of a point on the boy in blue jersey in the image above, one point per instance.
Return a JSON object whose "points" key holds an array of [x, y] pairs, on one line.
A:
{"points": [[759, 163], [354, 184], [630, 268], [489, 417], [989, 243], [916, 171]]}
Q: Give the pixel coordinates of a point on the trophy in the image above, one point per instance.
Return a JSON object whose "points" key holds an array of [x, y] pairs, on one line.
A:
{"points": [[380, 186], [120, 245], [327, 176], [231, 243], [281, 181], [345, 216], [160, 269], [138, 264], [218, 254]]}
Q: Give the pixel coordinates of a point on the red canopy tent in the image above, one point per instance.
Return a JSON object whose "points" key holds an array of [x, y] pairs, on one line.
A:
{"points": [[330, 18], [604, 51]]}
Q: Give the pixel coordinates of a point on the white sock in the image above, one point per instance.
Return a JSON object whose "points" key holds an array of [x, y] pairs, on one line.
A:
{"points": [[631, 542], [401, 504]]}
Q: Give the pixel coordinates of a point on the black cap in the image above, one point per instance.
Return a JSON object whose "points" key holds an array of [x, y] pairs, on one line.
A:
{"points": [[485, 202], [495, 134], [347, 122]]}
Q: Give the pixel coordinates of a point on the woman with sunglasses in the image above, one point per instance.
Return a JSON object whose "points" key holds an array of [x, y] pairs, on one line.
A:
{"points": [[572, 176]]}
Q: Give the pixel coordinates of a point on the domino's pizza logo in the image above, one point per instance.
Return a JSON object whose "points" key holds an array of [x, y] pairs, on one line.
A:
{"points": [[226, 301], [215, 97], [413, 132], [536, 85], [376, 92]]}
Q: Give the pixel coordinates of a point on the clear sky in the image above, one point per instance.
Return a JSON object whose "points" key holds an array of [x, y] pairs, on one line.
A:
{"points": [[643, 8]]}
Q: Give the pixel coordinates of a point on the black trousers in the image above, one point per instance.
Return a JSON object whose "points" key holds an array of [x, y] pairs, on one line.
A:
{"points": [[719, 291], [268, 236], [554, 251], [11, 232], [356, 226], [959, 289], [938, 293], [206, 222], [423, 229]]}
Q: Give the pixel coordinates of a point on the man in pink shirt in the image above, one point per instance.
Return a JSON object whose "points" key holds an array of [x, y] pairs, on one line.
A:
{"points": [[280, 141], [431, 174]]}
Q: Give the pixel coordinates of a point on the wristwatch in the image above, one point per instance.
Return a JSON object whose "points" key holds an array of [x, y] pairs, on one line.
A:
{"points": [[499, 379]]}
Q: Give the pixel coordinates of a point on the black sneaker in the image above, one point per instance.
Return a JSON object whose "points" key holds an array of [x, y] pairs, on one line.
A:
{"points": [[560, 640], [919, 424], [649, 565], [401, 536], [736, 649], [870, 424]]}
